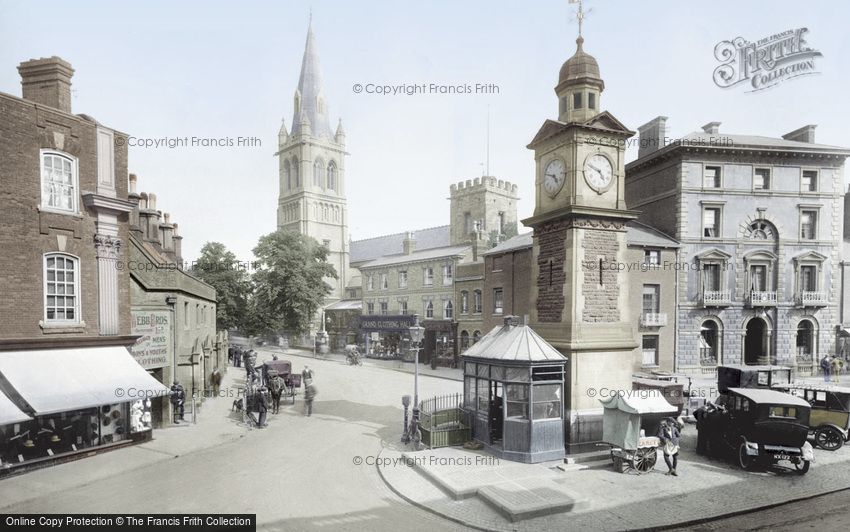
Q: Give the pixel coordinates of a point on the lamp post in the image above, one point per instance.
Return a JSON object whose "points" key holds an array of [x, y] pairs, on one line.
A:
{"points": [[416, 334]]}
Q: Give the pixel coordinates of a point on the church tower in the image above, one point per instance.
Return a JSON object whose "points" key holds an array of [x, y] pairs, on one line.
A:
{"points": [[312, 169], [579, 291]]}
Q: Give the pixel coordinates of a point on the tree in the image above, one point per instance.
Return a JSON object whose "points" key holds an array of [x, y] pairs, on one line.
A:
{"points": [[509, 231], [219, 268], [289, 283]]}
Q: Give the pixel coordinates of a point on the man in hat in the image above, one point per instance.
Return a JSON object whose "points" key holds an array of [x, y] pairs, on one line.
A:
{"points": [[178, 398], [262, 406], [307, 376]]}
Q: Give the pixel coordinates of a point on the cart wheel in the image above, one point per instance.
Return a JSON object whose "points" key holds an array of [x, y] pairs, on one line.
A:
{"points": [[746, 461], [829, 438], [644, 459], [802, 466]]}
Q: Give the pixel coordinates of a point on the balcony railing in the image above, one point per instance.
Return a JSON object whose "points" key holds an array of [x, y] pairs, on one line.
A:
{"points": [[763, 298], [653, 319], [715, 298], [812, 299]]}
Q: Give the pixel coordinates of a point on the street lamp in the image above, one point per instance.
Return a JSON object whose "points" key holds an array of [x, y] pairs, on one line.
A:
{"points": [[416, 334]]}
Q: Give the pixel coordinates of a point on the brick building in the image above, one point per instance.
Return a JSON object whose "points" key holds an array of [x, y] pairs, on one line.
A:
{"points": [[65, 307]]}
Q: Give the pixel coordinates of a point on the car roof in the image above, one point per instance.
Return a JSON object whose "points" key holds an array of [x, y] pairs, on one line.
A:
{"points": [[762, 395]]}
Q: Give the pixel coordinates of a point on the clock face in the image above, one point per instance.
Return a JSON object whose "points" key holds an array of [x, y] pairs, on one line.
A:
{"points": [[554, 176], [598, 172]]}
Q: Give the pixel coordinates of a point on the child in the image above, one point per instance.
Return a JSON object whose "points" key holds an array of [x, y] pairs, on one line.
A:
{"points": [[668, 433]]}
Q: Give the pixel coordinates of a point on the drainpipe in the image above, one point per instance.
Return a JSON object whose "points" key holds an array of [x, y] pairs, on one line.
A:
{"points": [[171, 301], [676, 316]]}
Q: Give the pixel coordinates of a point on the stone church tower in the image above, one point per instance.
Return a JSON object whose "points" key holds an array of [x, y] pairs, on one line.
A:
{"points": [[312, 170], [579, 289]]}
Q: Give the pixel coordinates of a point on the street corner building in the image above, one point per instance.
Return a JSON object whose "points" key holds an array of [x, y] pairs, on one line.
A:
{"points": [[68, 383]]}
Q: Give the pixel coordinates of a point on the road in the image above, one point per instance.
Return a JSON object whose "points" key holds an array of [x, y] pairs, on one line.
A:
{"points": [[826, 512], [298, 474]]}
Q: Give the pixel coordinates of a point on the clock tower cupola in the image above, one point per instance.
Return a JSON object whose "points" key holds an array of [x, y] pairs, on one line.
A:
{"points": [[579, 86]]}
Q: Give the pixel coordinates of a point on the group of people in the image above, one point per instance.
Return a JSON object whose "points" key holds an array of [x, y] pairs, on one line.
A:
{"points": [[831, 367]]}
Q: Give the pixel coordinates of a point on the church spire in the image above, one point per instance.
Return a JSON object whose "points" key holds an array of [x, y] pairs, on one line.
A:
{"points": [[310, 98]]}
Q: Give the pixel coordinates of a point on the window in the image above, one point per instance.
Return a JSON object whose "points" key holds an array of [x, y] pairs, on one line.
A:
{"points": [[467, 222], [516, 397], [476, 301], [808, 225], [476, 336], [464, 302], [761, 230], [185, 314], [711, 222], [808, 278], [429, 309], [547, 401], [577, 103], [498, 303], [370, 283], [428, 276], [332, 176], [591, 100], [384, 282], [649, 347], [651, 297], [805, 343], [447, 273], [61, 288], [287, 174], [402, 279], [708, 342], [652, 257], [761, 179], [758, 277], [370, 308], [464, 340], [319, 173], [384, 308], [711, 277], [402, 307], [295, 173], [501, 223], [789, 412], [810, 180], [58, 182], [197, 315], [448, 310], [562, 105], [711, 177], [483, 393]]}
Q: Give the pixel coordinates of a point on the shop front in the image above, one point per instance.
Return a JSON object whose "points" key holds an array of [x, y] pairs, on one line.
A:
{"points": [[387, 336], [440, 347], [341, 322], [57, 404]]}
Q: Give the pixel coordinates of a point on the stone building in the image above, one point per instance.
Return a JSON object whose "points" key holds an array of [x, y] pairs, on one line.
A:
{"points": [[68, 384], [760, 224], [486, 203], [173, 312]]}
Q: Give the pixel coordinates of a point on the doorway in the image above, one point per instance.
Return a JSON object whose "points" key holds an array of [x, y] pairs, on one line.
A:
{"points": [[755, 343]]}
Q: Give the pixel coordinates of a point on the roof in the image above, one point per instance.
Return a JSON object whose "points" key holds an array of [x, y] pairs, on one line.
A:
{"points": [[763, 395], [310, 90], [346, 304], [381, 246], [640, 402], [514, 343], [581, 66], [520, 241], [418, 256], [639, 234]]}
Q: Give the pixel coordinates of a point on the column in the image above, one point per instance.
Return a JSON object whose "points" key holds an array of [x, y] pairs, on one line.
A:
{"points": [[108, 252]]}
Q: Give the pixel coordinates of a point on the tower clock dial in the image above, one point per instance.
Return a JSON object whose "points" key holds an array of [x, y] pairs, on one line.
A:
{"points": [[598, 172], [554, 176]]}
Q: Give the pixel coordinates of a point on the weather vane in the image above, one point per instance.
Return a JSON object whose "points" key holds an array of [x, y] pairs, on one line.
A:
{"points": [[580, 13]]}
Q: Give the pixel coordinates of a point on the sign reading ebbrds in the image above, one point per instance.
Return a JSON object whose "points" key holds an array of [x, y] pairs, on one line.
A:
{"points": [[152, 350]]}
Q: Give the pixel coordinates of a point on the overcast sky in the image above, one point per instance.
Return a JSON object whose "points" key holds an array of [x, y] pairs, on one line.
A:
{"points": [[229, 69]]}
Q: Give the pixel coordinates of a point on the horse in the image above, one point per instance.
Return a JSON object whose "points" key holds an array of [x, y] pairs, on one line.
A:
{"points": [[276, 386]]}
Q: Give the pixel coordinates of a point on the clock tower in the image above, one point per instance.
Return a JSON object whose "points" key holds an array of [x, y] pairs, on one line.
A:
{"points": [[579, 284]]}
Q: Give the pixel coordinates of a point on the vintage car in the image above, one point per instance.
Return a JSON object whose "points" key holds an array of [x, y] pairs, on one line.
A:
{"points": [[735, 376], [830, 418], [759, 427]]}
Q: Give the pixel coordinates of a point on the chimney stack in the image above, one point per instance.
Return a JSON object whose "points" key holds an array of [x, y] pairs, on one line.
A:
{"points": [[804, 134], [712, 128], [47, 81], [134, 198], [178, 246], [409, 243], [652, 136], [167, 234]]}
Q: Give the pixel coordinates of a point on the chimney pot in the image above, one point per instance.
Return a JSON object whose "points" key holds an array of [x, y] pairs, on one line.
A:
{"points": [[132, 184]]}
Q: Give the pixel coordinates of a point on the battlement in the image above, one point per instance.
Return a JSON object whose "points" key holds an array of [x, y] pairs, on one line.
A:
{"points": [[484, 183]]}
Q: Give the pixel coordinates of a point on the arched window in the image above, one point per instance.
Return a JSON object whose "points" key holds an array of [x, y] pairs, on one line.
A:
{"points": [[761, 230], [448, 310], [287, 174], [464, 340], [58, 182], [805, 341], [464, 302], [475, 337], [318, 173], [429, 310], [61, 288], [709, 341], [295, 177], [332, 176]]}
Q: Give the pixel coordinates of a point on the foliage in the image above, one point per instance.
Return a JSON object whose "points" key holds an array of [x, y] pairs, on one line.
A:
{"points": [[509, 231], [219, 268]]}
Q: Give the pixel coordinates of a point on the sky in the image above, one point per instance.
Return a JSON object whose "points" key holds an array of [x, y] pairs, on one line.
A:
{"points": [[228, 70]]}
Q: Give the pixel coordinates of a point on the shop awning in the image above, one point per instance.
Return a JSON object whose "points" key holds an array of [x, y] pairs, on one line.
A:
{"points": [[58, 380], [9, 413]]}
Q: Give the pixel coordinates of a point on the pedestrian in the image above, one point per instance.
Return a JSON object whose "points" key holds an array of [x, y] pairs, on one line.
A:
{"points": [[237, 357], [249, 368], [178, 399], [230, 351], [215, 380], [262, 406], [837, 365], [307, 376], [825, 366], [309, 395], [668, 433]]}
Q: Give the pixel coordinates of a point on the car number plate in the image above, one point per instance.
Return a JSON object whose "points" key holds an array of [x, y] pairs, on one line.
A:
{"points": [[783, 457]]}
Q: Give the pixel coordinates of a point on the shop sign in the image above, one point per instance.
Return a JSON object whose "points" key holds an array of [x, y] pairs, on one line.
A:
{"points": [[152, 350]]}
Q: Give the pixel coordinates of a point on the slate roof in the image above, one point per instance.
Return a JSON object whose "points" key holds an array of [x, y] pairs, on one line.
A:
{"points": [[417, 256], [372, 248], [639, 234], [514, 343], [521, 241], [709, 139]]}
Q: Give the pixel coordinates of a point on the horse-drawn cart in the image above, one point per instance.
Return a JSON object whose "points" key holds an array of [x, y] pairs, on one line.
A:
{"points": [[288, 383], [629, 425]]}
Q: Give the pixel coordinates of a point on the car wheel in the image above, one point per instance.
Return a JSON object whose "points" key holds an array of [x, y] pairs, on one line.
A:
{"points": [[746, 461], [829, 438]]}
